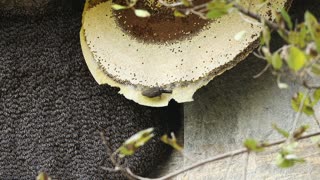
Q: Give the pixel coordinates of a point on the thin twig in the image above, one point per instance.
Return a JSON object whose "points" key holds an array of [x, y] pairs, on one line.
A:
{"points": [[262, 71], [244, 18], [316, 120], [297, 117], [198, 14], [216, 158], [112, 155]]}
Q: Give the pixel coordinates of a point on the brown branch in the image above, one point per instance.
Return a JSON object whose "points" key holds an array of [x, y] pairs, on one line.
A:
{"points": [[112, 155], [316, 120], [216, 158]]}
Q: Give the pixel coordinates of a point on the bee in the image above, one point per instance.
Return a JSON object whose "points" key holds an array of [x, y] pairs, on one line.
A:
{"points": [[155, 92]]}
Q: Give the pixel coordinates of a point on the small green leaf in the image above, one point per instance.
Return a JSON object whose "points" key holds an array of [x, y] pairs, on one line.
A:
{"points": [[307, 104], [316, 69], [313, 27], [141, 13], [276, 61], [214, 14], [217, 9], [130, 146], [298, 132], [282, 162], [308, 110], [177, 13], [172, 142], [283, 132], [286, 157], [296, 101], [118, 7], [267, 54], [266, 34], [296, 38], [186, 3], [287, 18], [296, 59], [316, 96], [43, 176], [253, 145]]}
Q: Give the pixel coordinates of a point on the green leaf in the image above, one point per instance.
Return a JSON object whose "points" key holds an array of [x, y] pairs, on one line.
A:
{"points": [[283, 132], [286, 158], [276, 61], [287, 18], [172, 142], [177, 13], [43, 176], [313, 27], [267, 54], [130, 146], [316, 69], [214, 14], [304, 36], [298, 132], [296, 38], [296, 101], [316, 96], [253, 145], [307, 104], [118, 7], [282, 162], [217, 9], [296, 59], [186, 3], [266, 36], [141, 13]]}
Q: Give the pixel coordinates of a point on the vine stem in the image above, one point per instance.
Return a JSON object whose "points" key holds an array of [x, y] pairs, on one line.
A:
{"points": [[298, 115], [215, 158]]}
